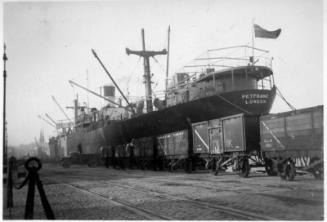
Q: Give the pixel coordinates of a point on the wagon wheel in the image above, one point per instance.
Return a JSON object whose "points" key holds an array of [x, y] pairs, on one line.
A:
{"points": [[92, 163], [170, 168], [66, 164], [289, 170], [245, 167], [318, 171], [173, 165], [269, 167], [319, 174], [213, 164], [216, 166]]}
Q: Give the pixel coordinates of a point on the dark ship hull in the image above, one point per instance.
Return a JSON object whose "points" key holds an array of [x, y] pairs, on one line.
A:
{"points": [[173, 118]]}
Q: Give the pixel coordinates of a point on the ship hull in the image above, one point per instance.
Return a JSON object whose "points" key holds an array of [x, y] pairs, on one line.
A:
{"points": [[90, 142], [255, 102]]}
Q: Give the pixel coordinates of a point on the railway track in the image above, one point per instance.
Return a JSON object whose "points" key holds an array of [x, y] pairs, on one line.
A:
{"points": [[150, 215], [239, 214], [139, 211]]}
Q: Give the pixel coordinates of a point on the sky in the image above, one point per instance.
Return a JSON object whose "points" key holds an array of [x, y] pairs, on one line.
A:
{"points": [[49, 43]]}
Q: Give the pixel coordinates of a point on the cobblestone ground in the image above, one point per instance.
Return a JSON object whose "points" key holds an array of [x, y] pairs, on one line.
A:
{"points": [[99, 193]]}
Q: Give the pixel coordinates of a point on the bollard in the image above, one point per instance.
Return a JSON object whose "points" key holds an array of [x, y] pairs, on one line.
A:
{"points": [[33, 165]]}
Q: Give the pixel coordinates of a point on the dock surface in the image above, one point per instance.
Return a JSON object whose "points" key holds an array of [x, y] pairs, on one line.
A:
{"points": [[99, 193]]}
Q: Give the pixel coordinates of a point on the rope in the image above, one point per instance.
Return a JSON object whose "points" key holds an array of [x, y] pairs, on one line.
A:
{"points": [[154, 58], [133, 71], [283, 98]]}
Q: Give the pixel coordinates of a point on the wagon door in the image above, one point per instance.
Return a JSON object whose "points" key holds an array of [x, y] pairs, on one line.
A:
{"points": [[215, 137], [200, 137], [215, 140], [161, 145], [233, 133]]}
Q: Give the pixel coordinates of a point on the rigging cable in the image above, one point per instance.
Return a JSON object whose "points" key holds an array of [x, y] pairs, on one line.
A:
{"points": [[283, 98], [159, 67], [131, 75]]}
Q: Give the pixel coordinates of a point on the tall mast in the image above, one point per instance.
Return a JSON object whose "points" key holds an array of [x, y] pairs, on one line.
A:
{"points": [[87, 85], [4, 105], [75, 108], [147, 74], [252, 58], [167, 68]]}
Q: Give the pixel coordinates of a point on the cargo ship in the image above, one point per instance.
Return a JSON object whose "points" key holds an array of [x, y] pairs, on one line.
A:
{"points": [[221, 87]]}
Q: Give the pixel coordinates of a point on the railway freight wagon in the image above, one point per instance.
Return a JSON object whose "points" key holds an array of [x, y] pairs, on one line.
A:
{"points": [[229, 141], [219, 143], [144, 152], [293, 139], [173, 150]]}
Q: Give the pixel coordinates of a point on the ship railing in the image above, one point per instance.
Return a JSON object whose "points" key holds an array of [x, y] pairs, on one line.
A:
{"points": [[64, 124], [214, 60]]}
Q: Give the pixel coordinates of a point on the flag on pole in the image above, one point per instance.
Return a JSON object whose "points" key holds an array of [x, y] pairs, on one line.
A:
{"points": [[263, 33]]}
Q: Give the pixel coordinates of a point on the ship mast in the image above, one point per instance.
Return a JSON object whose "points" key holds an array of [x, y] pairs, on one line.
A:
{"points": [[147, 74], [4, 58], [167, 67]]}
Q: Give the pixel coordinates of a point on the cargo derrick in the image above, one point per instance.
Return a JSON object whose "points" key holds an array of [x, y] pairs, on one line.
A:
{"points": [[61, 109], [114, 82], [49, 123], [102, 97]]}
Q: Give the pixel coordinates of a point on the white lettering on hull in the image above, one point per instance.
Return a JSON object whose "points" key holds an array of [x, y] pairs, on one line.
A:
{"points": [[254, 98]]}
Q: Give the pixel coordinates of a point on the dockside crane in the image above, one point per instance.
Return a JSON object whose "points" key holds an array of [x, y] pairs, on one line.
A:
{"points": [[62, 110]]}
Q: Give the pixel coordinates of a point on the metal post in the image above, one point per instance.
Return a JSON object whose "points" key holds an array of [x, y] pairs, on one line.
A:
{"points": [[75, 111], [167, 68], [147, 78], [4, 105]]}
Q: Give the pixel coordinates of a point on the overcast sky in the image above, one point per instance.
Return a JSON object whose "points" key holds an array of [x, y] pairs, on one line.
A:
{"points": [[49, 43]]}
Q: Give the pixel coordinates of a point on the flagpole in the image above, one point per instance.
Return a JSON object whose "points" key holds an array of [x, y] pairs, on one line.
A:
{"points": [[252, 41]]}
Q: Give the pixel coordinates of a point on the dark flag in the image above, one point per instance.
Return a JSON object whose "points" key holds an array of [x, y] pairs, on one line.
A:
{"points": [[263, 33]]}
